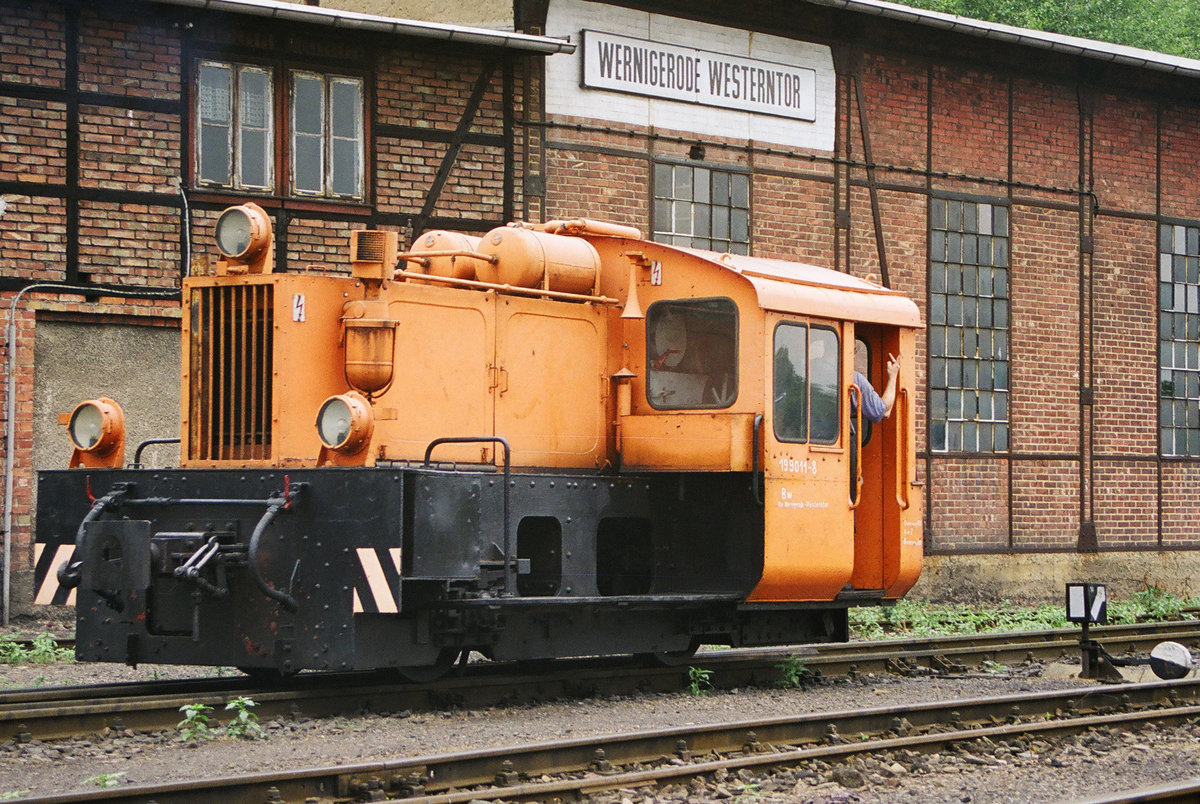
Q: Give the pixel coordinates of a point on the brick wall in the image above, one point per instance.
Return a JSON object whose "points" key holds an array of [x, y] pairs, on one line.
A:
{"points": [[90, 170], [1018, 129], [969, 507], [1044, 331], [1125, 323]]}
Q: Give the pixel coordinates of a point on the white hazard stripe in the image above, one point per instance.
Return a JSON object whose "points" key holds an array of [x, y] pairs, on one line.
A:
{"points": [[381, 593], [49, 587]]}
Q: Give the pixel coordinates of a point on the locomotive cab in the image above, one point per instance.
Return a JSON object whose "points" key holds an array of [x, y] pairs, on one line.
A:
{"points": [[558, 439]]}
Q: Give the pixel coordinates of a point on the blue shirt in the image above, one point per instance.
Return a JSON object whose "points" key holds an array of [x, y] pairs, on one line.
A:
{"points": [[873, 407]]}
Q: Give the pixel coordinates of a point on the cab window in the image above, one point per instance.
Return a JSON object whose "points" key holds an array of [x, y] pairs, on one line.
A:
{"points": [[691, 354], [807, 394]]}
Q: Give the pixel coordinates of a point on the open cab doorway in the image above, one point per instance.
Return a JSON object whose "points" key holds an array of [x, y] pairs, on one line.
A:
{"points": [[840, 519]]}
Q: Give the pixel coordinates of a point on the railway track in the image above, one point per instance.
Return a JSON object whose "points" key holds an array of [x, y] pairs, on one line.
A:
{"points": [[573, 769], [50, 713]]}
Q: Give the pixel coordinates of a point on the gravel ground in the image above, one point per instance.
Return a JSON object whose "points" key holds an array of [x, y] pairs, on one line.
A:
{"points": [[1025, 772]]}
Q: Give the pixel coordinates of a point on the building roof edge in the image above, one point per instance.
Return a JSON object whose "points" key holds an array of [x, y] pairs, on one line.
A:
{"points": [[1059, 43], [487, 37]]}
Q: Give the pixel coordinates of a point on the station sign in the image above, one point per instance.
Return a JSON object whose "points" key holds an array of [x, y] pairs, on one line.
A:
{"points": [[680, 73]]}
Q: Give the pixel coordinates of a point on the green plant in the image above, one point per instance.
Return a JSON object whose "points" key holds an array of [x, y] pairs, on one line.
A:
{"points": [[45, 650], [747, 792], [11, 651], [194, 725], [245, 724], [107, 779], [699, 680], [792, 673], [1150, 604], [9, 795]]}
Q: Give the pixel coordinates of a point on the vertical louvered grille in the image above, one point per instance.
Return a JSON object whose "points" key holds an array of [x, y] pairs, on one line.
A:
{"points": [[230, 393]]}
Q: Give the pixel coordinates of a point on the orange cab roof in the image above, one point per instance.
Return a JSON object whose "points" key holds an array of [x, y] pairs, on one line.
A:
{"points": [[793, 287]]}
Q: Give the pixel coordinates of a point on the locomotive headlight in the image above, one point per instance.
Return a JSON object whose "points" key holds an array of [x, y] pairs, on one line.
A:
{"points": [[345, 422], [97, 425], [243, 232], [97, 431]]}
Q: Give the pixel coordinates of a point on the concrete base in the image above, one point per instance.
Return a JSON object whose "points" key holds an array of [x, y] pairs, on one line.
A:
{"points": [[1041, 578]]}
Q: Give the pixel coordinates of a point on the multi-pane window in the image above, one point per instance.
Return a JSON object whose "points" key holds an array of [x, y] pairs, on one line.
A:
{"points": [[968, 326], [235, 140], [234, 113], [806, 396], [702, 208], [1179, 339], [327, 135]]}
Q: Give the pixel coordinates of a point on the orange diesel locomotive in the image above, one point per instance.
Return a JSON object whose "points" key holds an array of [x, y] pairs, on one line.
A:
{"points": [[558, 439]]}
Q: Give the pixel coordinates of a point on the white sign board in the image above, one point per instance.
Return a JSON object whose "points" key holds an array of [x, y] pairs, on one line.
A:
{"points": [[674, 75], [660, 70]]}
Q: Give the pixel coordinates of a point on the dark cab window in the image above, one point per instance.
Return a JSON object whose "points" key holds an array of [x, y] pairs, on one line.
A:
{"points": [[806, 393]]}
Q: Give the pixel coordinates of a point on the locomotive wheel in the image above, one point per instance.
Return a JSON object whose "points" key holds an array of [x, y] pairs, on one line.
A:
{"points": [[674, 658], [425, 674]]}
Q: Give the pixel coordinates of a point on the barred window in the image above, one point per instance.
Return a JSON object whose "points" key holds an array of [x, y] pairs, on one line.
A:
{"points": [[1179, 340], [702, 208], [236, 147], [968, 326]]}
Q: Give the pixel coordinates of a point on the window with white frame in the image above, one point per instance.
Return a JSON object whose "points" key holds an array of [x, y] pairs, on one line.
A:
{"points": [[234, 140], [968, 326], [1179, 339], [235, 131], [702, 207], [327, 135]]}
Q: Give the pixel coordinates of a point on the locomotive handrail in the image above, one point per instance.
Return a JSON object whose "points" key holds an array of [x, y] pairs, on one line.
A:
{"points": [[513, 289], [510, 579], [425, 257], [755, 468], [856, 482], [902, 450], [137, 455]]}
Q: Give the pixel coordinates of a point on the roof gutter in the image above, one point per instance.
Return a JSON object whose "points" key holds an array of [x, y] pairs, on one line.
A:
{"points": [[349, 20], [1058, 43]]}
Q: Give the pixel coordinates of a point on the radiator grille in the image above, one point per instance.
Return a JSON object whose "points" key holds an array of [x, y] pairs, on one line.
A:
{"points": [[369, 245], [230, 393]]}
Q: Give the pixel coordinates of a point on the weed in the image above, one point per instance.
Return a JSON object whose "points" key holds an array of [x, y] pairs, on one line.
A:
{"points": [[245, 723], [194, 726], [1152, 604], [993, 668], [699, 680], [45, 650], [747, 792], [792, 673], [12, 652], [107, 779], [9, 795]]}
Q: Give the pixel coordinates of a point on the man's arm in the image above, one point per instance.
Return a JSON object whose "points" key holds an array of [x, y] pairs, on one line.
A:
{"points": [[889, 393]]}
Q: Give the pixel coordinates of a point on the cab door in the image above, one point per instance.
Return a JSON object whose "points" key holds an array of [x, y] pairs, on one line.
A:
{"points": [[887, 516], [808, 549]]}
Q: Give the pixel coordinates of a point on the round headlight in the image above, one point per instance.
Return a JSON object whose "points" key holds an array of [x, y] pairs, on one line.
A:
{"points": [[87, 425], [345, 422], [243, 232], [96, 426]]}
